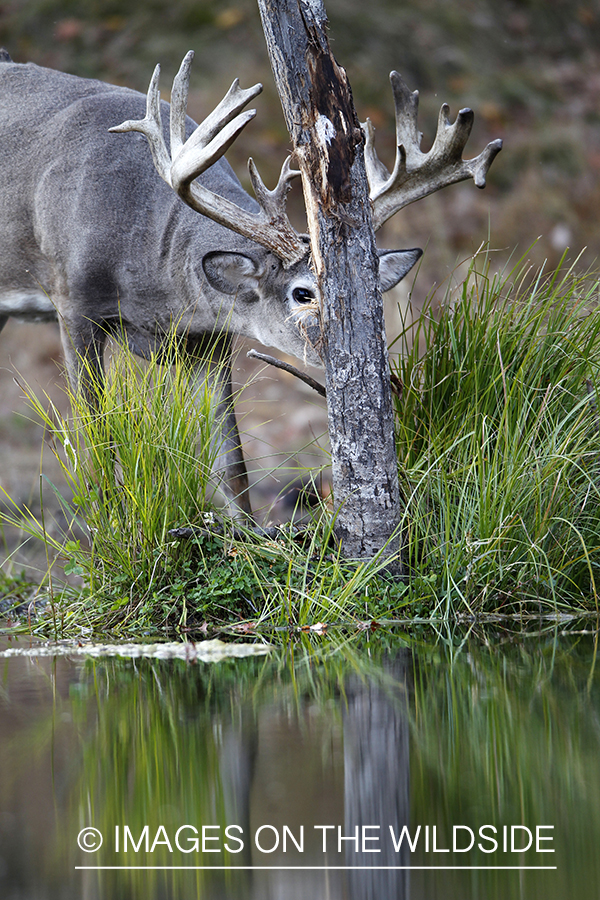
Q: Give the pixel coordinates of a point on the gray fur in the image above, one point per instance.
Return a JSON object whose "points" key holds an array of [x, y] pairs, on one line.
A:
{"points": [[91, 236]]}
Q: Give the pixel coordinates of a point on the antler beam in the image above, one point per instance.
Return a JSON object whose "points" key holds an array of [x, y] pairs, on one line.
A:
{"points": [[270, 226], [417, 174]]}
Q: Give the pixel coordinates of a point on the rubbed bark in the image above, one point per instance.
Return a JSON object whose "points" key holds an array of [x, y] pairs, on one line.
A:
{"points": [[329, 147]]}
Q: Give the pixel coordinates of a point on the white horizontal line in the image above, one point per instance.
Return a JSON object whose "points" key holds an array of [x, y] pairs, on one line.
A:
{"points": [[322, 868]]}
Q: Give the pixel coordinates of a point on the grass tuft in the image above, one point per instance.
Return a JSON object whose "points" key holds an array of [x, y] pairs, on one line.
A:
{"points": [[499, 443]]}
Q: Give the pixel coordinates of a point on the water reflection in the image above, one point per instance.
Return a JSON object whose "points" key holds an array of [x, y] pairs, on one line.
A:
{"points": [[314, 758]]}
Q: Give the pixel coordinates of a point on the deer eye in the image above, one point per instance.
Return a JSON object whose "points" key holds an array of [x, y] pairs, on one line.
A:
{"points": [[303, 295]]}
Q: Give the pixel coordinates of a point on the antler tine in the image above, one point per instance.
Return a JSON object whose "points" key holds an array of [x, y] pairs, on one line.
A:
{"points": [[189, 158], [179, 99], [417, 174], [451, 137], [214, 135], [377, 173], [201, 151], [151, 128], [406, 108], [273, 202]]}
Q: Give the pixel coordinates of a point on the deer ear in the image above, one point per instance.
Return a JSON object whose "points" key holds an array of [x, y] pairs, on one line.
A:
{"points": [[395, 264], [231, 273]]}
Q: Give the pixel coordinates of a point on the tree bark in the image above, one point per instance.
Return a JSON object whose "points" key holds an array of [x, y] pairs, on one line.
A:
{"points": [[329, 147]]}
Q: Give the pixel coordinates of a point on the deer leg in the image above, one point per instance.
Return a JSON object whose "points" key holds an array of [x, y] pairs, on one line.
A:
{"points": [[229, 464], [3, 321], [83, 349], [231, 457]]}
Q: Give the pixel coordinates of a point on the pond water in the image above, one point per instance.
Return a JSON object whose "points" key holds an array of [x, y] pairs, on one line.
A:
{"points": [[371, 766]]}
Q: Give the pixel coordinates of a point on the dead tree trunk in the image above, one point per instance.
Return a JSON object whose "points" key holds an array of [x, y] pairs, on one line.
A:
{"points": [[329, 147], [343, 179]]}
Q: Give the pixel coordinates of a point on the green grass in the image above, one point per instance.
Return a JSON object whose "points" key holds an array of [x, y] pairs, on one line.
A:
{"points": [[140, 465], [498, 443], [498, 433]]}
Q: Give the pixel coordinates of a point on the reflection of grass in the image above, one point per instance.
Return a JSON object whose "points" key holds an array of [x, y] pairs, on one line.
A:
{"points": [[154, 756], [508, 735], [174, 744], [500, 734]]}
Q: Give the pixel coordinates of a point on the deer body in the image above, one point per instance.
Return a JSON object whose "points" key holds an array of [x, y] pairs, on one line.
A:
{"points": [[92, 237], [89, 233]]}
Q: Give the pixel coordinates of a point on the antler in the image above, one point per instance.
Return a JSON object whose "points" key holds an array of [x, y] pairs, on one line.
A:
{"points": [[417, 174], [269, 227]]}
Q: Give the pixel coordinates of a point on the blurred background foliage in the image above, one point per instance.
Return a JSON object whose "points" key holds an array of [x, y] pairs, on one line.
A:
{"points": [[530, 69]]}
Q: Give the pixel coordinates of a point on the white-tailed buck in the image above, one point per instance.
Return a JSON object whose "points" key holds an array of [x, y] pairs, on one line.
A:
{"points": [[91, 237]]}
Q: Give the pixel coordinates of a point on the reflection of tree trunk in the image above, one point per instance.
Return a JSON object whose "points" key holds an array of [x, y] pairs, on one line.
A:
{"points": [[376, 779], [238, 752]]}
